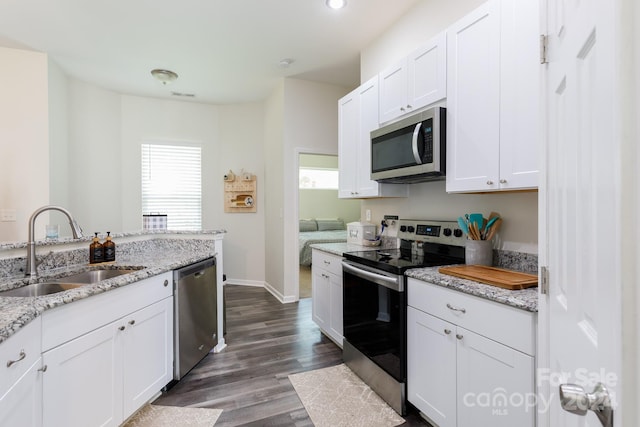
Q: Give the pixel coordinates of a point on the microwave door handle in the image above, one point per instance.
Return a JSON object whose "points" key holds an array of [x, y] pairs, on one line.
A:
{"points": [[414, 144]]}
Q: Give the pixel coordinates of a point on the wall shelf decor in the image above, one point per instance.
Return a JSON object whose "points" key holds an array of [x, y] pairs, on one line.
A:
{"points": [[239, 192]]}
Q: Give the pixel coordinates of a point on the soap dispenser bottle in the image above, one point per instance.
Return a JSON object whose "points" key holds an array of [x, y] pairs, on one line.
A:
{"points": [[96, 253], [109, 248]]}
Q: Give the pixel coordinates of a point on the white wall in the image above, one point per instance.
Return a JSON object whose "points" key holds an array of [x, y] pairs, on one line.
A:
{"points": [[301, 117], [103, 158], [24, 140], [274, 188], [519, 230], [430, 200], [95, 194], [311, 125], [241, 136], [326, 204]]}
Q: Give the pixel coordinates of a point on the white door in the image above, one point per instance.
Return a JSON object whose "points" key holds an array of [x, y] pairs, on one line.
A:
{"points": [[580, 209]]}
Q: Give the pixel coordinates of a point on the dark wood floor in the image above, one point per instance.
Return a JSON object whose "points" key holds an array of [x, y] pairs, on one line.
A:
{"points": [[266, 341]]}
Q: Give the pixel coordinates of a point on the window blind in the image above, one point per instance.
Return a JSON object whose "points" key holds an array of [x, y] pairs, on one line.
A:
{"points": [[172, 184]]}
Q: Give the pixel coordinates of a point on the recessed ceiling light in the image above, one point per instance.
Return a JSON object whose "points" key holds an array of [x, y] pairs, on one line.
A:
{"points": [[164, 76], [336, 4]]}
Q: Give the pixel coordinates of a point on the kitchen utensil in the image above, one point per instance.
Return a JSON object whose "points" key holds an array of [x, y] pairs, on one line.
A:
{"points": [[488, 225], [476, 218], [494, 229], [463, 225], [474, 232]]}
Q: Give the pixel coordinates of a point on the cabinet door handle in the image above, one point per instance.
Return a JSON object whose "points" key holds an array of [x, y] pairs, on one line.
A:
{"points": [[401, 108], [121, 328], [43, 369], [503, 181], [489, 182], [327, 262], [459, 336], [450, 307], [22, 355], [447, 331], [132, 322], [409, 106], [166, 283]]}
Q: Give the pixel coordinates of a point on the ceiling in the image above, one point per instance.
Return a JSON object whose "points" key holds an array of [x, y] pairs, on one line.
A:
{"points": [[223, 51]]}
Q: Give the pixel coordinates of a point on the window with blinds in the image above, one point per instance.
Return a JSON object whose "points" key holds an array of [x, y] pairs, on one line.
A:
{"points": [[172, 183]]}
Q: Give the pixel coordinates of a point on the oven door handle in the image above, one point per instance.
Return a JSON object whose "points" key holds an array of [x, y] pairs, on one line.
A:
{"points": [[386, 281]]}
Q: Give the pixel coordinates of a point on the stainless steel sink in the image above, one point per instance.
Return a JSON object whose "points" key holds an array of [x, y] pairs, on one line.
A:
{"points": [[93, 276], [39, 289], [65, 283]]}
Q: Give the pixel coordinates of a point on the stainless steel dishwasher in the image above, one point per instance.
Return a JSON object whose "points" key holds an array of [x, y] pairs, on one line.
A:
{"points": [[195, 314]]}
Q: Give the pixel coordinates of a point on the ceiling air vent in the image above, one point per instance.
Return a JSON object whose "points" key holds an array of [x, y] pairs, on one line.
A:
{"points": [[184, 95]]}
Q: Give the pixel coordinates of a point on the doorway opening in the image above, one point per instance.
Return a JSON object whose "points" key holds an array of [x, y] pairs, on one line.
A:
{"points": [[319, 209]]}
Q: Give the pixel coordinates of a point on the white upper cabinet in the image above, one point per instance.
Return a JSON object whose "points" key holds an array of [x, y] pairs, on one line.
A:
{"points": [[414, 82], [492, 87], [357, 117], [519, 95], [473, 102]]}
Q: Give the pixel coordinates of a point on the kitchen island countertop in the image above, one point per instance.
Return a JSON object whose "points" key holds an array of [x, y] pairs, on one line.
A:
{"points": [[157, 258]]}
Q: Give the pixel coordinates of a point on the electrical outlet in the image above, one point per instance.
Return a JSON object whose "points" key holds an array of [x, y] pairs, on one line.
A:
{"points": [[7, 215], [368, 214], [391, 220]]}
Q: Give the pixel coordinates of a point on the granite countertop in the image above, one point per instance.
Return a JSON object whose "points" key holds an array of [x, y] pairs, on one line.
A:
{"points": [[16, 312], [525, 299]]}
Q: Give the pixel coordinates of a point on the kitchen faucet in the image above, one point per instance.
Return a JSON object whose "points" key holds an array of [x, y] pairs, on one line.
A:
{"points": [[32, 265]]}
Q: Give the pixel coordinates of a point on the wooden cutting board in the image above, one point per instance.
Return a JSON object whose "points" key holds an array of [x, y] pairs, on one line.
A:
{"points": [[501, 277]]}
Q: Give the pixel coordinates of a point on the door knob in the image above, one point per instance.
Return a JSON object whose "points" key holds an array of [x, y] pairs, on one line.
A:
{"points": [[574, 399]]}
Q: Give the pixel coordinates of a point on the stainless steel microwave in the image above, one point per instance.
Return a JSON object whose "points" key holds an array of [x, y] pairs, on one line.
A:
{"points": [[411, 150]]}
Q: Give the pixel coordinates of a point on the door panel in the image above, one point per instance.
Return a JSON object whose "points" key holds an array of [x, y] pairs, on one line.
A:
{"points": [[580, 196]]}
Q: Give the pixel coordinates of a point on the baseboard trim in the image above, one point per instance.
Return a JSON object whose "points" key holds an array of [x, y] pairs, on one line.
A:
{"points": [[242, 282], [273, 291], [278, 295]]}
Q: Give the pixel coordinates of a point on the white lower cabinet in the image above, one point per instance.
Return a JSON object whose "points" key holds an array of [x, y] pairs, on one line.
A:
{"points": [[326, 294], [21, 377], [148, 354], [83, 382], [460, 378], [22, 404], [114, 359]]}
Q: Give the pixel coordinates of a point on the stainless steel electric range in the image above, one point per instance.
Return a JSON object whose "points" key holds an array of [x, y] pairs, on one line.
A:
{"points": [[375, 302]]}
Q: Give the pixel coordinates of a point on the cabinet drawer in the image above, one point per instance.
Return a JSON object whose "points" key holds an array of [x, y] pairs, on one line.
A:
{"points": [[27, 342], [508, 325], [73, 320], [331, 263]]}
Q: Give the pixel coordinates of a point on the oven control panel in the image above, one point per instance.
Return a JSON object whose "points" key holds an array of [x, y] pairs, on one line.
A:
{"points": [[444, 232]]}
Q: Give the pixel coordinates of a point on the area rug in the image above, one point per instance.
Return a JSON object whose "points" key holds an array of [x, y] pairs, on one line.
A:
{"points": [[173, 416], [335, 396]]}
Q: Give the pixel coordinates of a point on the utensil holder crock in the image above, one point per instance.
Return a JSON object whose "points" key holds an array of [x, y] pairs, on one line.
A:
{"points": [[479, 252]]}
